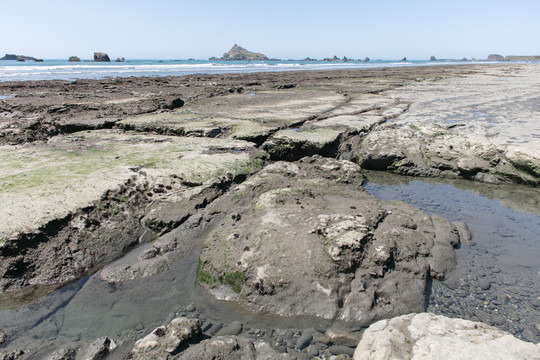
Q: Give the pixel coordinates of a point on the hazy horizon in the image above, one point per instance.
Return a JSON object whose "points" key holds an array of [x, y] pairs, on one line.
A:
{"points": [[170, 29]]}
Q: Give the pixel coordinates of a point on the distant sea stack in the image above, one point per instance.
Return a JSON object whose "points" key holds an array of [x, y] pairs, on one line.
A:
{"points": [[241, 54], [74, 59], [101, 57], [495, 57], [20, 58], [522, 58]]}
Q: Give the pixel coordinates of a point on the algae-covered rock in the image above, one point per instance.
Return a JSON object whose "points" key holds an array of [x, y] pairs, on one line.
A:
{"points": [[88, 192], [305, 239]]}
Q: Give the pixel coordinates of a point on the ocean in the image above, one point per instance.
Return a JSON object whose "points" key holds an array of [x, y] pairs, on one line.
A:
{"points": [[64, 70]]}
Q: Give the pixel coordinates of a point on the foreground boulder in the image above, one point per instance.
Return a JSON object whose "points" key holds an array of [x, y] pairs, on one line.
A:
{"points": [[311, 242], [428, 336]]}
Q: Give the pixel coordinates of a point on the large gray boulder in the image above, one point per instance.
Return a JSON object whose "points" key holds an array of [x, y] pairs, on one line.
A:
{"points": [[428, 336], [311, 242]]}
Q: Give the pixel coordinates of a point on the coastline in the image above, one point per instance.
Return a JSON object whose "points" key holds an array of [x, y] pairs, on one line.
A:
{"points": [[65, 70], [161, 155]]}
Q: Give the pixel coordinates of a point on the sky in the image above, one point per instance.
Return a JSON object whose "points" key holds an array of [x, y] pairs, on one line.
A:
{"points": [[285, 29]]}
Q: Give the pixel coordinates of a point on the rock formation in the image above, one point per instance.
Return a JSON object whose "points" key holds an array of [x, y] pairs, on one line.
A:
{"points": [[101, 57], [20, 58], [9, 57], [428, 336], [495, 57], [74, 59], [347, 260], [522, 58], [238, 53]]}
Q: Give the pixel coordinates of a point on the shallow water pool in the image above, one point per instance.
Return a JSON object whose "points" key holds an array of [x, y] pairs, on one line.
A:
{"points": [[497, 278]]}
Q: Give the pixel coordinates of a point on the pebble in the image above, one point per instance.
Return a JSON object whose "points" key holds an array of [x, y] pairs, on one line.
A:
{"points": [[232, 329], [139, 327], [313, 351], [206, 326], [341, 350], [215, 328], [484, 284], [303, 341], [190, 308]]}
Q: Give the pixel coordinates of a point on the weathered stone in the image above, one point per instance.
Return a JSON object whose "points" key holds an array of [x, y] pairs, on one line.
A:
{"points": [[360, 259], [63, 354], [342, 337], [97, 350], [168, 339], [428, 336]]}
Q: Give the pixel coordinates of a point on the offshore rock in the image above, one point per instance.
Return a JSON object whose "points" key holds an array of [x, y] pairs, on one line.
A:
{"points": [[240, 54], [353, 257], [101, 57], [74, 59], [495, 57], [429, 336]]}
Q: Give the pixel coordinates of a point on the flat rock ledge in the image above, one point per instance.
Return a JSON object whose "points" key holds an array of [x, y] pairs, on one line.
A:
{"points": [[312, 242], [482, 127], [428, 336]]}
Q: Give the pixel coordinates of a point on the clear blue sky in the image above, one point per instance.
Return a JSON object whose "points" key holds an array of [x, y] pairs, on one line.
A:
{"points": [[167, 29]]}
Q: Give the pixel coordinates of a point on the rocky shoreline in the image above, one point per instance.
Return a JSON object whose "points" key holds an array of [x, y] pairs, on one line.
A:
{"points": [[262, 173]]}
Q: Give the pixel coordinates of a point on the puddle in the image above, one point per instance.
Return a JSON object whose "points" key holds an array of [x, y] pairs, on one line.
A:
{"points": [[91, 307], [2, 97], [497, 279]]}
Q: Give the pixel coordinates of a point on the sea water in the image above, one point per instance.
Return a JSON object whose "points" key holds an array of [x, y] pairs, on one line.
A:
{"points": [[64, 70]]}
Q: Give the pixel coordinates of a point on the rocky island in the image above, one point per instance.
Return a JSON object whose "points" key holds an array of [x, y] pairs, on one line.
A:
{"points": [[238, 53], [101, 57], [228, 216], [20, 58]]}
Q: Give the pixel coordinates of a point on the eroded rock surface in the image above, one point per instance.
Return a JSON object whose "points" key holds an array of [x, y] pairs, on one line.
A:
{"points": [[482, 127], [428, 336], [305, 239], [75, 203]]}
